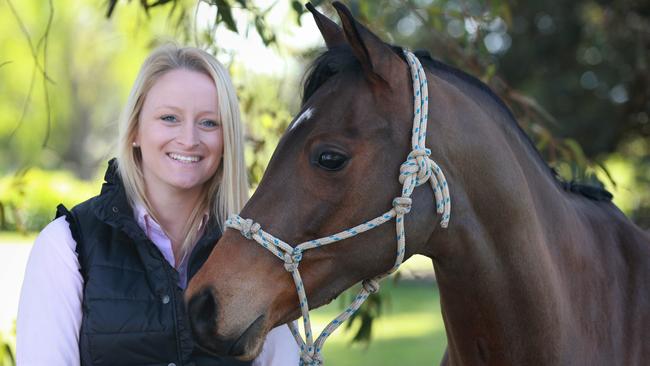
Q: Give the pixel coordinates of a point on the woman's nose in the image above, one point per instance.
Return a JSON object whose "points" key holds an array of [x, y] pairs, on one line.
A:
{"points": [[189, 135]]}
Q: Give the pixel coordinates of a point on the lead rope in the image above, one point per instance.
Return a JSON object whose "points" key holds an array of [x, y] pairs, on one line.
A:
{"points": [[416, 170]]}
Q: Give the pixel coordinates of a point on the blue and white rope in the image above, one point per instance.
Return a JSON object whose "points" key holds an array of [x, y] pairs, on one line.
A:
{"points": [[416, 170]]}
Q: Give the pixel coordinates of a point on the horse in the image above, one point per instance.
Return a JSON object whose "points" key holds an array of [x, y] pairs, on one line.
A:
{"points": [[531, 270]]}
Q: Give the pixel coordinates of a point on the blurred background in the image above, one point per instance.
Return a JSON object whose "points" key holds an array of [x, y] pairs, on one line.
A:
{"points": [[574, 72]]}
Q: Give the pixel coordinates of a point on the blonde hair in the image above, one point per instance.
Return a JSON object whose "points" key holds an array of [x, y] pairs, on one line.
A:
{"points": [[227, 191]]}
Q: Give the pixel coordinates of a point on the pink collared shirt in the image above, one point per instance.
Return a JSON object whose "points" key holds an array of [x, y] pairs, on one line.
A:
{"points": [[49, 311], [156, 234]]}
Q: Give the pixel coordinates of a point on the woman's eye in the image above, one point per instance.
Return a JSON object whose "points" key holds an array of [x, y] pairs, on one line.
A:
{"points": [[209, 123], [330, 160], [169, 118]]}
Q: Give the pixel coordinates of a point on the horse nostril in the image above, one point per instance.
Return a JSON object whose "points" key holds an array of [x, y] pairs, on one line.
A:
{"points": [[202, 312]]}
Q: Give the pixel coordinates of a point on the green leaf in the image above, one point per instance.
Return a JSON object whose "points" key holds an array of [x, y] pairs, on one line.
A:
{"points": [[224, 14], [365, 316], [577, 153], [6, 354], [298, 8], [542, 142], [262, 29], [111, 7], [489, 73], [607, 173], [365, 330]]}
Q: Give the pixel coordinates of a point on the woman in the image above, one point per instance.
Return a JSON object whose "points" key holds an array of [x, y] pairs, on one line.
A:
{"points": [[104, 281]]}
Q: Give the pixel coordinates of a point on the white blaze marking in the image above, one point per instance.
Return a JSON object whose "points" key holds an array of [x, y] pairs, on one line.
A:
{"points": [[303, 117]]}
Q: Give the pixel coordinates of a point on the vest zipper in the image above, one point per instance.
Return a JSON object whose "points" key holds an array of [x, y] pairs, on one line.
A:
{"points": [[172, 297]]}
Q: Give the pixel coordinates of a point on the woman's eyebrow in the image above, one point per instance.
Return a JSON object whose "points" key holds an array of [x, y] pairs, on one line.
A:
{"points": [[179, 109], [168, 107]]}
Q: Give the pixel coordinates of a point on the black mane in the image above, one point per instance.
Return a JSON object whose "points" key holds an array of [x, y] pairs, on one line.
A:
{"points": [[326, 65], [341, 59]]}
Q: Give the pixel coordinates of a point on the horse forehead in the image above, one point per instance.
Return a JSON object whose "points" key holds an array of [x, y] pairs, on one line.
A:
{"points": [[304, 116], [345, 101], [351, 95], [341, 89]]}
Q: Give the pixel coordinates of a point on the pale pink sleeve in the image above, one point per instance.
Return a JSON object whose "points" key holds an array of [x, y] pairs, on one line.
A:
{"points": [[280, 349], [49, 311]]}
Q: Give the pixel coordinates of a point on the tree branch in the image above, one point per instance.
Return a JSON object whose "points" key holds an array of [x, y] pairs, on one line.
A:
{"points": [[42, 42]]}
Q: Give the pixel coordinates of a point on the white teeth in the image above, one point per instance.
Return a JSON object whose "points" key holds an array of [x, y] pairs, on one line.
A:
{"points": [[183, 158]]}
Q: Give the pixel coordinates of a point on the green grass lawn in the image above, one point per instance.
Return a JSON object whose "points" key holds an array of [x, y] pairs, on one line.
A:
{"points": [[410, 331]]}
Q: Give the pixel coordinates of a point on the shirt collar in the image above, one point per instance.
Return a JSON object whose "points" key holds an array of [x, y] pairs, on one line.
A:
{"points": [[149, 225]]}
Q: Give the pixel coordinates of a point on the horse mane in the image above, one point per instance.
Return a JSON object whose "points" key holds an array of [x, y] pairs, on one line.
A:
{"points": [[340, 59]]}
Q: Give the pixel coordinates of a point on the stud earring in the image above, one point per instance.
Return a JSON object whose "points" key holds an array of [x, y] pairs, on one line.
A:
{"points": [[135, 144]]}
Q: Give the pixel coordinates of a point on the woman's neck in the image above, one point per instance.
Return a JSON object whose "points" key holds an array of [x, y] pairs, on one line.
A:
{"points": [[172, 210]]}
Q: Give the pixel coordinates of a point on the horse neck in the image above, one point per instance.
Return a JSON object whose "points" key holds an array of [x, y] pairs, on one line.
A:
{"points": [[492, 259], [498, 182]]}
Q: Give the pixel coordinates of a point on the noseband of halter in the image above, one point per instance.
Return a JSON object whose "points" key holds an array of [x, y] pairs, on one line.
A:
{"points": [[416, 170]]}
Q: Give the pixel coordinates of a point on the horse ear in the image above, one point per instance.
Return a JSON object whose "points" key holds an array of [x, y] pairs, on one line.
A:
{"points": [[332, 33], [378, 60]]}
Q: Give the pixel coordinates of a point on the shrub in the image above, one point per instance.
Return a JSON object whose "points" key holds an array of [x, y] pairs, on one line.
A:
{"points": [[28, 200], [7, 349]]}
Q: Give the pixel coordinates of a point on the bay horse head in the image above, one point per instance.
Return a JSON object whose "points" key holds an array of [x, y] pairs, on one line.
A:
{"points": [[336, 166], [501, 263]]}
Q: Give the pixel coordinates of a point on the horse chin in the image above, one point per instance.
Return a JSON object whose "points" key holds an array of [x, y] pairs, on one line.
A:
{"points": [[250, 342], [245, 348]]}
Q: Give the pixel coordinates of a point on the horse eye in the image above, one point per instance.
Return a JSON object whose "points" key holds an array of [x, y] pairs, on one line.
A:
{"points": [[330, 160]]}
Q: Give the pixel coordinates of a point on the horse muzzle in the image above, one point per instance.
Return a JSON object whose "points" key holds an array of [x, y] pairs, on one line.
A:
{"points": [[202, 310]]}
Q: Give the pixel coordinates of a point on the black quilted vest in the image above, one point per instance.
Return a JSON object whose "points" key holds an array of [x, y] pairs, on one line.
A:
{"points": [[133, 310]]}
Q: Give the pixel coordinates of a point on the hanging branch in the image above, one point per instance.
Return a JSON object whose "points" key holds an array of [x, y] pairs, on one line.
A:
{"points": [[25, 32], [25, 104], [44, 42], [42, 69], [143, 3], [224, 14]]}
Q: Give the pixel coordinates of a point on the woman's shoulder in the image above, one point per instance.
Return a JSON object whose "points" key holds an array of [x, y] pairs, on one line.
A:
{"points": [[56, 234], [54, 250]]}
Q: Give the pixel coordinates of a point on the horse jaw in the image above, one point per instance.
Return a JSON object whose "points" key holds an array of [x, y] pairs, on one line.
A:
{"points": [[246, 292], [228, 303]]}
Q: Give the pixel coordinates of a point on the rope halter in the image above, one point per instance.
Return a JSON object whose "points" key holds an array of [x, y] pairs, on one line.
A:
{"points": [[416, 170]]}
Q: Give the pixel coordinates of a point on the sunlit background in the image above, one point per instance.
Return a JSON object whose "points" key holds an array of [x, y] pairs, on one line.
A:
{"points": [[575, 74]]}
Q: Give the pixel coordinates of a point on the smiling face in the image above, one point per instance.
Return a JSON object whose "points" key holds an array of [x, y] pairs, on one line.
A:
{"points": [[179, 133]]}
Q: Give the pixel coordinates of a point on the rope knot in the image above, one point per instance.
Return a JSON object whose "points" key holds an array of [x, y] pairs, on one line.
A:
{"points": [[292, 260], [307, 359], [402, 205], [418, 153], [249, 228], [417, 163], [372, 286]]}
